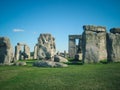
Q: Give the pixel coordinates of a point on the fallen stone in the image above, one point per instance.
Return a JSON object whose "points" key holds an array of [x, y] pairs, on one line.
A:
{"points": [[45, 63], [20, 63], [115, 30], [60, 59]]}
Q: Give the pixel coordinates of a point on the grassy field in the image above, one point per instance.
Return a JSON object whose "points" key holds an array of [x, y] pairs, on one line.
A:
{"points": [[75, 77]]}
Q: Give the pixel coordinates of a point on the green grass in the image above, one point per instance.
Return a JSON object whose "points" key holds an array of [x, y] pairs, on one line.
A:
{"points": [[75, 77]]}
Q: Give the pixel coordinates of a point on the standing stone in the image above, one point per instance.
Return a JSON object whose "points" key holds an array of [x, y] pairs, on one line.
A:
{"points": [[17, 52], [73, 47], [94, 44], [26, 52], [46, 46], [113, 45], [35, 51], [5, 51], [12, 54], [22, 54], [65, 54]]}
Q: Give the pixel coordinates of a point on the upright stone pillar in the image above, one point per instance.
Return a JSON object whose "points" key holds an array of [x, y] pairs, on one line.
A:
{"points": [[35, 51], [113, 45], [5, 51], [94, 44], [26, 52], [17, 52], [65, 54], [72, 47], [12, 54]]}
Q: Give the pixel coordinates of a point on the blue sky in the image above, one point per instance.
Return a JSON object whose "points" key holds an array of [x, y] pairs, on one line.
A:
{"points": [[25, 20]]}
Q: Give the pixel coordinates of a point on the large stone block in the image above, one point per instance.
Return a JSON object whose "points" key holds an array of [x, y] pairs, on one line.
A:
{"points": [[5, 51], [94, 44], [94, 28], [46, 46], [113, 45], [17, 52], [26, 52], [74, 47], [115, 30], [35, 51], [22, 54], [44, 63], [60, 59]]}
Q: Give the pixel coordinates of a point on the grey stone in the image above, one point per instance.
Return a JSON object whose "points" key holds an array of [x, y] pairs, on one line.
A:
{"points": [[26, 52], [58, 64], [19, 54], [20, 63], [73, 47], [12, 54], [113, 45], [94, 44], [115, 30], [60, 59], [5, 51], [78, 56], [94, 28], [35, 51], [65, 54], [46, 46], [45, 63]]}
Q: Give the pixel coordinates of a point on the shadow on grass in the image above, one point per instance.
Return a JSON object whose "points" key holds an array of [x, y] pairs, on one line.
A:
{"points": [[74, 62], [104, 62]]}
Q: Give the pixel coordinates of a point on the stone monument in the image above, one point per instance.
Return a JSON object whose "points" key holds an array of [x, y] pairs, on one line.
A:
{"points": [[6, 53], [94, 44], [113, 45], [46, 47]]}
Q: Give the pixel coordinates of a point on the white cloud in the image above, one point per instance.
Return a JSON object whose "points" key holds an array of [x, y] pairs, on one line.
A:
{"points": [[18, 30]]}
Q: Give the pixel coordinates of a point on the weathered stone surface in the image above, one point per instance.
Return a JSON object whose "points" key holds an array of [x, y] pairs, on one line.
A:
{"points": [[5, 51], [73, 47], [46, 46], [60, 59], [45, 63], [65, 54], [20, 63], [78, 56], [94, 44], [94, 28], [115, 30], [113, 45], [19, 54], [12, 54], [35, 51], [26, 52]]}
